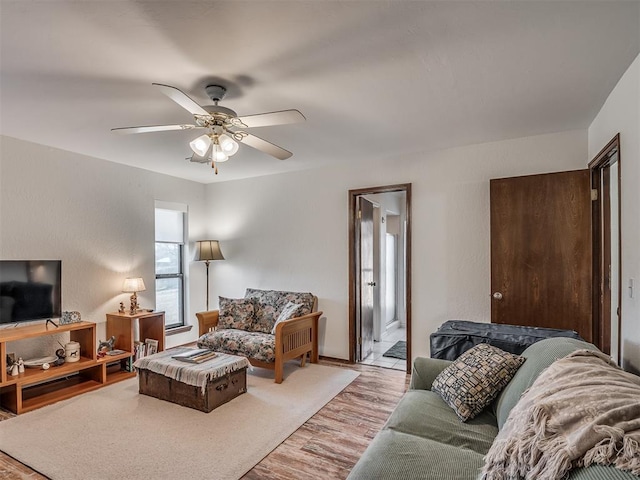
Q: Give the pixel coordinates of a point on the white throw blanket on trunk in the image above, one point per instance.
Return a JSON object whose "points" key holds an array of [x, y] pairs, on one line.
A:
{"points": [[196, 374], [580, 411]]}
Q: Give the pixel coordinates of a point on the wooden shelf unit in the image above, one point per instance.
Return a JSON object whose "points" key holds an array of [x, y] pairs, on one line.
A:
{"points": [[36, 388], [122, 326]]}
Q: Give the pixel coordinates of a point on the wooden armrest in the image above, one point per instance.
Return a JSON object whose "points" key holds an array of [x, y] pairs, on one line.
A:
{"points": [[296, 337], [298, 323], [207, 321]]}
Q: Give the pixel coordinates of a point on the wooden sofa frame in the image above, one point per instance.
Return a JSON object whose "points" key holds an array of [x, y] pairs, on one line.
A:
{"points": [[294, 339]]}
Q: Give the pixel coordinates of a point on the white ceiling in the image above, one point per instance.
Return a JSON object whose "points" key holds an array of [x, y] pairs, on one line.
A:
{"points": [[375, 79]]}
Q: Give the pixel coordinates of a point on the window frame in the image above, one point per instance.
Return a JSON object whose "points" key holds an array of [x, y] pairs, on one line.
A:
{"points": [[182, 274]]}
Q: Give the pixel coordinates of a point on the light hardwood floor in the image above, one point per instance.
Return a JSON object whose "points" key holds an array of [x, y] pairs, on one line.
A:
{"points": [[326, 446]]}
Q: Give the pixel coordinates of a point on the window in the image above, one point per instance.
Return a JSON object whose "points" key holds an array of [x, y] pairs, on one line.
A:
{"points": [[170, 265]]}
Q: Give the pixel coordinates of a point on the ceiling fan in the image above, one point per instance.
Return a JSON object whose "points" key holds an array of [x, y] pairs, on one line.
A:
{"points": [[224, 129]]}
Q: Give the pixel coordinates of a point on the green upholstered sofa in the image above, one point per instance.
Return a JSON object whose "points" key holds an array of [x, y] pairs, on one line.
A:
{"points": [[424, 439]]}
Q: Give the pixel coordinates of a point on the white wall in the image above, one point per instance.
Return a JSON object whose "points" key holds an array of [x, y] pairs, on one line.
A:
{"points": [[97, 217], [621, 114], [286, 231], [290, 231]]}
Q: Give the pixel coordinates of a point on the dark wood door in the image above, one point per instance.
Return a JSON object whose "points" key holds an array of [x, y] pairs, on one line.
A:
{"points": [[541, 265]]}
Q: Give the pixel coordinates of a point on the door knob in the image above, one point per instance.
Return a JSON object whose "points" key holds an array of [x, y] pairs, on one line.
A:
{"points": [[497, 295], [372, 284]]}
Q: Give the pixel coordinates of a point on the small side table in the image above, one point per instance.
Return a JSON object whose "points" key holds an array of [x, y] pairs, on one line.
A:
{"points": [[122, 326]]}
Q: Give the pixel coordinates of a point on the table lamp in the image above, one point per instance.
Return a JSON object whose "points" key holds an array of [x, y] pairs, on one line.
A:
{"points": [[207, 250], [133, 285]]}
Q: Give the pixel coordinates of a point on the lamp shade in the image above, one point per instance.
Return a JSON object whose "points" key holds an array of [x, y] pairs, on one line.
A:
{"points": [[201, 144], [208, 250], [133, 284], [217, 154], [229, 145]]}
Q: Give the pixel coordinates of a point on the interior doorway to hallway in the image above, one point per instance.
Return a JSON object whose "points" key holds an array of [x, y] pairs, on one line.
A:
{"points": [[380, 275]]}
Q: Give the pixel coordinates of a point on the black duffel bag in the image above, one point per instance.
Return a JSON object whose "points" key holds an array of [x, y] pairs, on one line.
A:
{"points": [[455, 337]]}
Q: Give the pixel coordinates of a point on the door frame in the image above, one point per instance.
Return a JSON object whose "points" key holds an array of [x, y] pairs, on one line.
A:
{"points": [[597, 166], [354, 254]]}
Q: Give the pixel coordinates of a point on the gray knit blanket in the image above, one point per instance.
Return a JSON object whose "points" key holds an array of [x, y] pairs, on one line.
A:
{"points": [[580, 411], [196, 374]]}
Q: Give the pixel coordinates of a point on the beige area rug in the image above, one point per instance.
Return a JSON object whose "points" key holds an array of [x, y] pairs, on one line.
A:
{"points": [[115, 433]]}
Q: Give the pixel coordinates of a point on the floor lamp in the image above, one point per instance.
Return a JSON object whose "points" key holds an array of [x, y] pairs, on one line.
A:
{"points": [[208, 250]]}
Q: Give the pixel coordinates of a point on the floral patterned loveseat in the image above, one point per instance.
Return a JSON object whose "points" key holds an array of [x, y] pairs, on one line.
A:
{"points": [[269, 327]]}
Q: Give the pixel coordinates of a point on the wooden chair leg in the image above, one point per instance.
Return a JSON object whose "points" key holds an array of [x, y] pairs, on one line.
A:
{"points": [[313, 356], [279, 370], [303, 359]]}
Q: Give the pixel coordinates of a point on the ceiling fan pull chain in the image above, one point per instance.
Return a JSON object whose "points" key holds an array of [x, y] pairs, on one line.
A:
{"points": [[215, 167]]}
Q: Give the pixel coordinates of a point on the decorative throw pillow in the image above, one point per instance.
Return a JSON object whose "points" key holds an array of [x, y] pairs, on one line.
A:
{"points": [[471, 382], [270, 302], [290, 310], [237, 313]]}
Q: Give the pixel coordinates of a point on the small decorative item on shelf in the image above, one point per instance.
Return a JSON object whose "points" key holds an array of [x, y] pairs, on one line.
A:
{"points": [[151, 346], [70, 317], [107, 345], [115, 352], [60, 354], [20, 365], [38, 361], [11, 359], [14, 370], [121, 309], [72, 352]]}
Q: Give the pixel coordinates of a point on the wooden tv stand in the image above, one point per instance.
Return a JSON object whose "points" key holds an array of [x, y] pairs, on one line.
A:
{"points": [[36, 388]]}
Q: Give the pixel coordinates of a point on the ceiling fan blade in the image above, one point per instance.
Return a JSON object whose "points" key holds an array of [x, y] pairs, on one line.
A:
{"points": [[181, 99], [153, 128], [272, 118], [264, 146]]}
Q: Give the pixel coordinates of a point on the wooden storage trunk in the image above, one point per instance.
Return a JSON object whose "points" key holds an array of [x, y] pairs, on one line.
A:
{"points": [[218, 391]]}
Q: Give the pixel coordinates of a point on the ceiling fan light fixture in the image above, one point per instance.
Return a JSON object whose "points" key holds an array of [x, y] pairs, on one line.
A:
{"points": [[200, 145], [217, 154], [229, 145]]}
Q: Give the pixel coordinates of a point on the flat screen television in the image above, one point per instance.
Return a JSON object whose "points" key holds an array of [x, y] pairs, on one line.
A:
{"points": [[30, 290]]}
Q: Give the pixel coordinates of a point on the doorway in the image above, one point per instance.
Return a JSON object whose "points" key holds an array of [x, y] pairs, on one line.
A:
{"points": [[379, 276], [607, 254]]}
